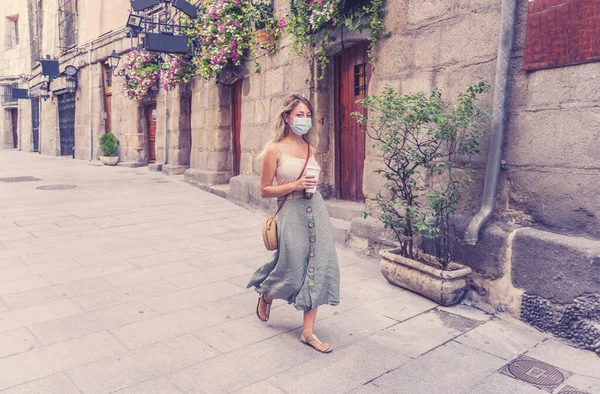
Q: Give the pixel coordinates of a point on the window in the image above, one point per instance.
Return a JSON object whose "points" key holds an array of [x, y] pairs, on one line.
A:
{"points": [[108, 73], [34, 10], [360, 79], [7, 94], [12, 31], [67, 24], [561, 33]]}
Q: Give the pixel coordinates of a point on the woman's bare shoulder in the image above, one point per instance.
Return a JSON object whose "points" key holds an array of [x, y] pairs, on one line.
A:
{"points": [[273, 150]]}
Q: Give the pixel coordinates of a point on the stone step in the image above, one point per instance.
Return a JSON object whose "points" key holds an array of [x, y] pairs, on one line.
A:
{"points": [[171, 169], [155, 167], [341, 230], [344, 210], [220, 190]]}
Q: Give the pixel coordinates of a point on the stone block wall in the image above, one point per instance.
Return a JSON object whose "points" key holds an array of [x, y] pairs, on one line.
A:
{"points": [[49, 132], [25, 135], [6, 134], [83, 117]]}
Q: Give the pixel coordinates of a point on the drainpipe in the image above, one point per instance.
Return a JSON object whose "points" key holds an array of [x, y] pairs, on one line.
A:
{"points": [[40, 125], [496, 138], [166, 156], [90, 106]]}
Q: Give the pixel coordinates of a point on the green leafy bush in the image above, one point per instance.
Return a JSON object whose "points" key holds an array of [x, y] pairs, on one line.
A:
{"points": [[421, 137], [109, 144]]}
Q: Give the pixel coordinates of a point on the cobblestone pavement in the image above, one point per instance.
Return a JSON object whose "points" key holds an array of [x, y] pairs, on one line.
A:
{"points": [[134, 282]]}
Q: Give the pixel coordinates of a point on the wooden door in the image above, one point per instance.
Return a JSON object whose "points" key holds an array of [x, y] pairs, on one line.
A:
{"points": [[15, 124], [107, 85], [185, 127], [236, 125], [108, 104], [151, 121], [353, 75]]}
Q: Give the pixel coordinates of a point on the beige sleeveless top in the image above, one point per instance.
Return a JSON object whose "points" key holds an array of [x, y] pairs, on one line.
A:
{"points": [[289, 168]]}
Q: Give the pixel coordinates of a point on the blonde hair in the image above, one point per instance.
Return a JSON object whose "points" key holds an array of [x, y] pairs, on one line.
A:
{"points": [[280, 128]]}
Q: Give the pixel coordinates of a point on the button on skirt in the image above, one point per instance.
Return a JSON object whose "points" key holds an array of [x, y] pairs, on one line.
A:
{"points": [[304, 271]]}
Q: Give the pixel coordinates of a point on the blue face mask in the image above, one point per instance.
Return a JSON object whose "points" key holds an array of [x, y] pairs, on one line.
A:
{"points": [[301, 126]]}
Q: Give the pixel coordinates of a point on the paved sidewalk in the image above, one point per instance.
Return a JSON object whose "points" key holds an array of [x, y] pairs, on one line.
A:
{"points": [[134, 282]]}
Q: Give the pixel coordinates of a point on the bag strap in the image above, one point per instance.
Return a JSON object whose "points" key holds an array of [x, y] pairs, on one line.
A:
{"points": [[301, 173]]}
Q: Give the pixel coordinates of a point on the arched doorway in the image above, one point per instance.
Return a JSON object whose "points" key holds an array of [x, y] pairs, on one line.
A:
{"points": [[353, 72]]}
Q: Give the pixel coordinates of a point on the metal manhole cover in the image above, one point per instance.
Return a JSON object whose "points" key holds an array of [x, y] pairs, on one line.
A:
{"points": [[537, 373], [56, 187], [571, 390], [20, 179]]}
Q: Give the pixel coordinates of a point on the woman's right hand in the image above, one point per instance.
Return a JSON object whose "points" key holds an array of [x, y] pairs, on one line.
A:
{"points": [[306, 182]]}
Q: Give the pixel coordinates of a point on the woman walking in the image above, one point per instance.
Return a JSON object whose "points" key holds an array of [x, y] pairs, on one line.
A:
{"points": [[304, 271]]}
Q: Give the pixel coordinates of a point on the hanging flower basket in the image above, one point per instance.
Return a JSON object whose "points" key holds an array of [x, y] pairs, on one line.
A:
{"points": [[142, 74]]}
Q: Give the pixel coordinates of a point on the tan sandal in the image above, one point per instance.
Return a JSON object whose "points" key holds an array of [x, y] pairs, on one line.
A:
{"points": [[267, 308], [313, 340]]}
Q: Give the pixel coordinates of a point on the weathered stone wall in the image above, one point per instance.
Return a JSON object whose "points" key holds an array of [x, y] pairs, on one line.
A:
{"points": [[83, 117], [553, 144], [49, 132], [179, 134], [25, 135], [436, 44], [6, 136], [210, 159], [14, 61]]}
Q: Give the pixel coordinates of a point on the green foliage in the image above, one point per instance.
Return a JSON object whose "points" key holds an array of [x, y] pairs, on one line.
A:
{"points": [[421, 138], [262, 15], [109, 144], [315, 22]]}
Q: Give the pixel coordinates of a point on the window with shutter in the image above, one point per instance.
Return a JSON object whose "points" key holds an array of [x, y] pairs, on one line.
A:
{"points": [[561, 33]]}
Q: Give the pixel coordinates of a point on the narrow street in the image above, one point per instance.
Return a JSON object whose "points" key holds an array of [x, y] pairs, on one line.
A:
{"points": [[118, 279]]}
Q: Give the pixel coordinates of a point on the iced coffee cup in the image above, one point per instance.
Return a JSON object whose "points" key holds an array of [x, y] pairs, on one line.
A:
{"points": [[312, 171]]}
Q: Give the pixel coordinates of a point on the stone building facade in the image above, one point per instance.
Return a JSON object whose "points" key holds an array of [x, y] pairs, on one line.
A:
{"points": [[544, 238]]}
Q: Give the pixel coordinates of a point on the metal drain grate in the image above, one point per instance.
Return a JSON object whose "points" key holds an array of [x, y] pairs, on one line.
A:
{"points": [[571, 390], [56, 187], [537, 373], [15, 179]]}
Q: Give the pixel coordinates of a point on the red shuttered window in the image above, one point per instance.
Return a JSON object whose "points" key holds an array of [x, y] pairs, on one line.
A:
{"points": [[562, 33]]}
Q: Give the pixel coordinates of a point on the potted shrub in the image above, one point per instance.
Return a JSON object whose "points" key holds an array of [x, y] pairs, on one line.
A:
{"points": [[421, 139], [108, 145]]}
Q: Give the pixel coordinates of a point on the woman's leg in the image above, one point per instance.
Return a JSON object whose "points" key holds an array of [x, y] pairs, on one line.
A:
{"points": [[262, 306], [307, 329]]}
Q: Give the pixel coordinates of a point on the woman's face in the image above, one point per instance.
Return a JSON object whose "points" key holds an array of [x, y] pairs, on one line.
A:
{"points": [[299, 111]]}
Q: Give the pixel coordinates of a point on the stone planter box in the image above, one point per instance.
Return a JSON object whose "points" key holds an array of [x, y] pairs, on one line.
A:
{"points": [[444, 287], [109, 160]]}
